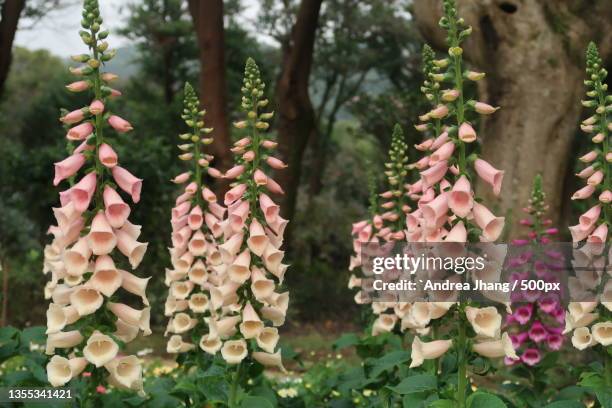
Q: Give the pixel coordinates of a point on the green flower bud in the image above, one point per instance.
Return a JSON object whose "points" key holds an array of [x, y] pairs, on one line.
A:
{"points": [[455, 51], [80, 58]]}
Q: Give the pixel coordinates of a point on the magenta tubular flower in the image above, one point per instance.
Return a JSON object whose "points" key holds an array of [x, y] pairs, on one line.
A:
{"points": [[531, 356], [92, 230], [535, 325], [522, 315], [537, 332]]}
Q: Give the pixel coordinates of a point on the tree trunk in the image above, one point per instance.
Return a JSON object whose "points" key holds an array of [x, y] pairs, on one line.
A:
{"points": [[533, 54], [9, 19], [296, 118], [208, 21]]}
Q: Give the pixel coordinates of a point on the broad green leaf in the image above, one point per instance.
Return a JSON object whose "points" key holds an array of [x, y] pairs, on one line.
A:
{"points": [[484, 400], [565, 404], [416, 383], [251, 402], [443, 403], [346, 340], [389, 361]]}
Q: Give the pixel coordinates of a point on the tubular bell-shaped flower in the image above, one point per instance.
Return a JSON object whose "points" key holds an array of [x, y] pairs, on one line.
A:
{"points": [[247, 302], [196, 220], [92, 226], [536, 323], [386, 223], [448, 211], [590, 235]]}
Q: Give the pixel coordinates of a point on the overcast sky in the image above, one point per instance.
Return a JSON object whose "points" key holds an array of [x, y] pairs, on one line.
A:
{"points": [[58, 30]]}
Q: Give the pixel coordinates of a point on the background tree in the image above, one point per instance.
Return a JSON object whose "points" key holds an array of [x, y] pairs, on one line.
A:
{"points": [[532, 53], [208, 21]]}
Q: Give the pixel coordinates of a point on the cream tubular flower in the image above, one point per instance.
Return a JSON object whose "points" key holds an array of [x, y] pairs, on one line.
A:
{"points": [[234, 351], [86, 300], [126, 372], [270, 359], [602, 333], [177, 345], [268, 339], [496, 348], [485, 321], [422, 351], [131, 316], [100, 349], [210, 345], [582, 338], [251, 324]]}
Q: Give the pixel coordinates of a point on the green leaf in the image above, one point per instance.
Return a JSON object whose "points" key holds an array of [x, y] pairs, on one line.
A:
{"points": [[604, 397], [251, 402], [484, 400], [7, 333], [35, 334], [416, 383], [443, 403], [346, 340], [418, 400], [565, 404], [592, 381], [389, 361]]}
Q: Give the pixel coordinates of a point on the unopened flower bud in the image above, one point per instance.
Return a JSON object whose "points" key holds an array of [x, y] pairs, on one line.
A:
{"points": [[262, 125], [455, 51], [450, 95], [240, 125], [475, 76]]}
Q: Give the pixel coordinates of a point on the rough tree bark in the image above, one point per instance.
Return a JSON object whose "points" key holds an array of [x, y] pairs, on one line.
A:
{"points": [[208, 21], [296, 122], [9, 19], [533, 54]]}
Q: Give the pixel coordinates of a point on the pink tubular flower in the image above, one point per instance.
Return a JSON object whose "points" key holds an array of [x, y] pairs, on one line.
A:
{"points": [[584, 193], [119, 124], [80, 132], [78, 86], [116, 210], [96, 107], [68, 167], [434, 174], [128, 182], [234, 172], [73, 117], [444, 152], [484, 108], [81, 192], [489, 174], [273, 187], [107, 156], [275, 163], [214, 173], [234, 194], [260, 178], [467, 134], [461, 200], [181, 178]]}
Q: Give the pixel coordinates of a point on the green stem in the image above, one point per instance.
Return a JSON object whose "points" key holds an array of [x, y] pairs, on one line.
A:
{"points": [[233, 395], [196, 158], [461, 365], [608, 368], [98, 126]]}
